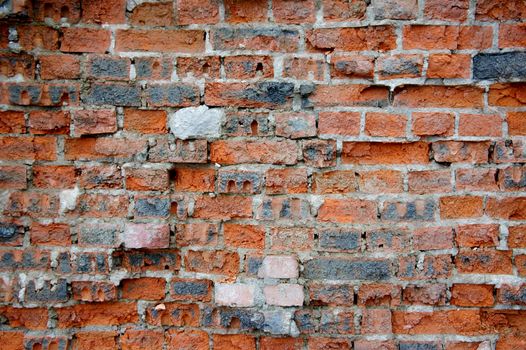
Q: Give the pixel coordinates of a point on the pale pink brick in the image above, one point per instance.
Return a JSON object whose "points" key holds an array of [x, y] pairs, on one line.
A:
{"points": [[284, 294], [240, 295], [147, 236], [279, 266]]}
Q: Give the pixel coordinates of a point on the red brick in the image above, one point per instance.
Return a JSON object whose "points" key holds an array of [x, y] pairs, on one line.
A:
{"points": [[134, 339], [145, 121], [244, 236], [373, 38], [376, 321], [516, 123], [495, 10], [304, 68], [192, 12], [102, 148], [239, 11], [293, 238], [339, 123], [431, 238], [381, 181], [487, 261], [465, 322], [475, 37], [472, 295], [289, 11], [172, 40], [100, 177], [248, 67], [286, 343], [449, 66], [153, 14], [212, 262], [349, 95], [174, 314], [222, 207], [432, 124], [12, 122], [97, 314], [347, 211], [146, 288], [111, 11], [480, 125], [12, 340], [49, 122], [50, 234], [429, 181], [456, 10], [460, 96], [476, 179], [85, 40], [54, 176], [385, 153], [507, 95], [508, 208], [461, 151], [385, 124], [429, 37], [510, 342], [338, 181], [354, 66], [456, 207], [287, 180], [30, 318], [33, 37], [512, 35], [517, 236], [234, 342], [95, 340], [374, 345], [56, 10], [146, 179], [343, 10], [95, 121], [318, 343], [194, 179], [262, 94], [196, 234], [430, 294], [13, 177], [199, 67], [12, 65], [93, 291], [187, 339], [249, 151], [478, 235], [59, 67], [295, 125], [28, 148], [149, 235], [399, 66], [277, 40]]}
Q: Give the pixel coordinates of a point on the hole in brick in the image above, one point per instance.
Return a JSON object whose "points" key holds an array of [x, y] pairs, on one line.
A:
{"points": [[64, 98], [155, 65], [259, 67], [24, 97], [173, 208], [246, 186], [53, 345], [64, 12], [85, 293], [100, 295], [254, 127], [48, 10], [235, 323], [37, 346], [231, 186]]}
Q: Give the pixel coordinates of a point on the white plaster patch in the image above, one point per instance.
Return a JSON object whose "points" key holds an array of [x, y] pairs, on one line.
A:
{"points": [[196, 122], [68, 199]]}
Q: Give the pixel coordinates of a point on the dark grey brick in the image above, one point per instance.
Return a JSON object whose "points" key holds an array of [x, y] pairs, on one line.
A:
{"points": [[501, 66], [342, 269], [341, 240], [418, 346], [49, 292], [152, 207], [109, 67], [113, 94]]}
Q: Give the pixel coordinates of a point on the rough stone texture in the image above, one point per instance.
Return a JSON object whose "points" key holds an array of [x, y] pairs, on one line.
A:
{"points": [[274, 174]]}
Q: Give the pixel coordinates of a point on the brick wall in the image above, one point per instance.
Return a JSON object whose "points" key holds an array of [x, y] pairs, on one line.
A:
{"points": [[237, 174]]}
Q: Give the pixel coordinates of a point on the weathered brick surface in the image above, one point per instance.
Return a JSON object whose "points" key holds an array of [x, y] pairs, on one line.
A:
{"points": [[275, 174]]}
